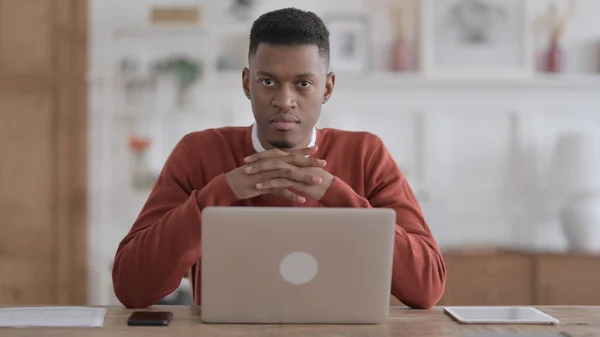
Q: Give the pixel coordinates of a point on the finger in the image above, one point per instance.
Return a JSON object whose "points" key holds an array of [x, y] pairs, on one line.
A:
{"points": [[282, 192], [279, 153], [303, 161], [272, 153], [282, 183], [284, 162], [267, 165], [291, 174]]}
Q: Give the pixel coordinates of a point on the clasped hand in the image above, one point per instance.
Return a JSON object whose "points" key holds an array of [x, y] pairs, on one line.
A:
{"points": [[276, 171]]}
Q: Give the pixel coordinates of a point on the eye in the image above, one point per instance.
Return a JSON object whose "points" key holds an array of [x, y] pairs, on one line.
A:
{"points": [[267, 82], [304, 84]]}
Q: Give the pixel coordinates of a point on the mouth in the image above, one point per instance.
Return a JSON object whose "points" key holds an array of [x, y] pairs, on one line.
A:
{"points": [[284, 123]]}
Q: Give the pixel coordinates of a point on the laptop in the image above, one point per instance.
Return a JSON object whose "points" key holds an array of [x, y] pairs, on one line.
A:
{"points": [[296, 265]]}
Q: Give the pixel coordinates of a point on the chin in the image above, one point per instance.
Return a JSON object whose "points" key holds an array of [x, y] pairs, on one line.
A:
{"points": [[283, 144]]}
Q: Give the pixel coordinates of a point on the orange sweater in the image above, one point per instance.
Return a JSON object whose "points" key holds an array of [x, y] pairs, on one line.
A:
{"points": [[164, 242]]}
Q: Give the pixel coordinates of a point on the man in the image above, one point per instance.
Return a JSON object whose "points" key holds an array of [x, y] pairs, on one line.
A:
{"points": [[281, 160]]}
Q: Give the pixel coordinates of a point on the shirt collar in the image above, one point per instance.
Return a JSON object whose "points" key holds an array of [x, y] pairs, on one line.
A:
{"points": [[259, 148]]}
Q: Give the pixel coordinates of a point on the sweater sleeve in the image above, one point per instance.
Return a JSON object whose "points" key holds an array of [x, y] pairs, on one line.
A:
{"points": [[419, 271], [164, 241]]}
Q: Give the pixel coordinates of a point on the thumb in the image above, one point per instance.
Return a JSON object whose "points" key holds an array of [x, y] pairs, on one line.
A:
{"points": [[279, 153]]}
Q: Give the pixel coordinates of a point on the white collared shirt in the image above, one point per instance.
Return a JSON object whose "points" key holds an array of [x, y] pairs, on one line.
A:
{"points": [[259, 148]]}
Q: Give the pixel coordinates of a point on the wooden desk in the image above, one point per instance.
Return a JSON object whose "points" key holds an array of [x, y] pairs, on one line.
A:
{"points": [[577, 321]]}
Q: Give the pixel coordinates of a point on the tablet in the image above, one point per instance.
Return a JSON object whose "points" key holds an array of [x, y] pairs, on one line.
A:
{"points": [[499, 315]]}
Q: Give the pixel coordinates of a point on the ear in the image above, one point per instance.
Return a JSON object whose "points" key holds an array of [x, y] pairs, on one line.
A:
{"points": [[246, 81], [329, 85]]}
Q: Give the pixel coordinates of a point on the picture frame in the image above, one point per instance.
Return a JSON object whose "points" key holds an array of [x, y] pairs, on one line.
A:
{"points": [[476, 39], [350, 43]]}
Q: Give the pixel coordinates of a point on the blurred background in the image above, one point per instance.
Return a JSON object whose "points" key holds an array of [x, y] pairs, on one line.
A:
{"points": [[490, 107]]}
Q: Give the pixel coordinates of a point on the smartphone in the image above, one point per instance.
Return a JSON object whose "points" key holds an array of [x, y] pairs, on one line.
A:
{"points": [[150, 318]]}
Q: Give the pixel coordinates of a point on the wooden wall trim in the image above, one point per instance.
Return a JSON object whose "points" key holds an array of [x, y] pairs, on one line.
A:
{"points": [[80, 221], [71, 152]]}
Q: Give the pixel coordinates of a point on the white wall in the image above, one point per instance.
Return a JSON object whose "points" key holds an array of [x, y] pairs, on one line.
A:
{"points": [[476, 153]]}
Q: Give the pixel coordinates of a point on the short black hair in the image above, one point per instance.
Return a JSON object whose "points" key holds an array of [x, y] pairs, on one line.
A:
{"points": [[290, 26]]}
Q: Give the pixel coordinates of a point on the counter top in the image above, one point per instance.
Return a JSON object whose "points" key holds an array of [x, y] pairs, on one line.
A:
{"points": [[576, 321]]}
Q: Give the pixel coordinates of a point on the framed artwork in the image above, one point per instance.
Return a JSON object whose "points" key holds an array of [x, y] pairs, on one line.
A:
{"points": [[350, 43], [476, 39]]}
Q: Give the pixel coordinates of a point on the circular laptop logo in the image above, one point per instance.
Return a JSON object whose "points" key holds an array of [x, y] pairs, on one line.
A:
{"points": [[298, 268]]}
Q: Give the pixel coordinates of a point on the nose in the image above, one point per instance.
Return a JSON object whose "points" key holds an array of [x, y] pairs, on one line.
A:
{"points": [[285, 98]]}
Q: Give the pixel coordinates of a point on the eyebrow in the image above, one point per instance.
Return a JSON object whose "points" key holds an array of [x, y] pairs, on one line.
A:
{"points": [[308, 74], [268, 74]]}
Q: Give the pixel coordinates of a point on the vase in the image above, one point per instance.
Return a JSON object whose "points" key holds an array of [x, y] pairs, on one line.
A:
{"points": [[580, 220], [553, 58], [400, 55]]}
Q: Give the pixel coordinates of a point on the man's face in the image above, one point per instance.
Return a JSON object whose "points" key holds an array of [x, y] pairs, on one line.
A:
{"points": [[287, 86]]}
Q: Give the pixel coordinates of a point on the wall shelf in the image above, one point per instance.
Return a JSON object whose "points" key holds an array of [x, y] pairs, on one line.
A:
{"points": [[162, 30]]}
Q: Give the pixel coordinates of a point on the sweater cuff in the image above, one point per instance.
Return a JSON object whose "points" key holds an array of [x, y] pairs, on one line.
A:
{"points": [[341, 194], [216, 193]]}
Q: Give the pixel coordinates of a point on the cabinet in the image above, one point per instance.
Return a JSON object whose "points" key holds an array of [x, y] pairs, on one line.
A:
{"points": [[567, 280], [516, 278], [488, 279]]}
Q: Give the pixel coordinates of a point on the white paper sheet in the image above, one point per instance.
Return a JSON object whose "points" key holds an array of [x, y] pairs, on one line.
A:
{"points": [[52, 317]]}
